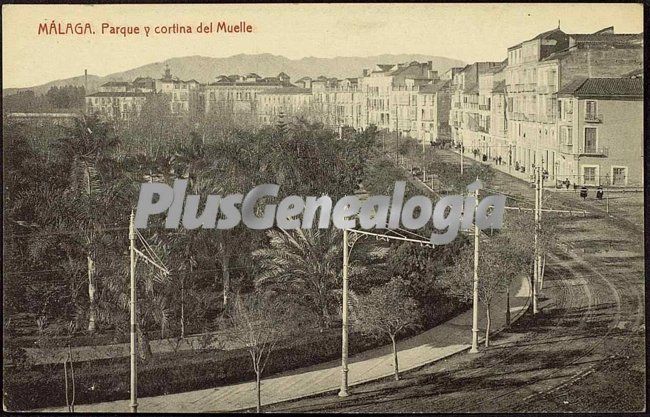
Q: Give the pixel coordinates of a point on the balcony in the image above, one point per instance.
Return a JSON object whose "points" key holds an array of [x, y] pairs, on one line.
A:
{"points": [[484, 107], [593, 151], [457, 105], [483, 129], [593, 118]]}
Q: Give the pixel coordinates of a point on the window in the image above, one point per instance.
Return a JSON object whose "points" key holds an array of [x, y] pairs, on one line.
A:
{"points": [[591, 139], [590, 109], [619, 175], [589, 175]]}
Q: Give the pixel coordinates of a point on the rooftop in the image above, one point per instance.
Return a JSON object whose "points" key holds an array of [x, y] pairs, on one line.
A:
{"points": [[604, 88], [287, 90], [542, 35], [434, 87]]}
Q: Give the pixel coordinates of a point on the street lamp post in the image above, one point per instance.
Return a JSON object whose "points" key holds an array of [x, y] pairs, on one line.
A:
{"points": [[154, 261], [134, 361], [536, 250], [462, 150], [347, 247], [343, 392], [474, 348]]}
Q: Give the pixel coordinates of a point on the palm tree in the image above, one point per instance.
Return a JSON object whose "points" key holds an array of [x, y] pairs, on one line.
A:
{"points": [[85, 152], [305, 264]]}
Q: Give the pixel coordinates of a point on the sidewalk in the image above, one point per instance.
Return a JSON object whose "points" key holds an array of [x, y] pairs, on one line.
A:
{"points": [[444, 340]]}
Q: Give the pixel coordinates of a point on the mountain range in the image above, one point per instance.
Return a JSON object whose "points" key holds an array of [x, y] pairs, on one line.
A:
{"points": [[206, 69]]}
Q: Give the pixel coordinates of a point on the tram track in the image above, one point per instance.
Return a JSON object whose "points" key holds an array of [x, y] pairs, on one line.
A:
{"points": [[597, 310]]}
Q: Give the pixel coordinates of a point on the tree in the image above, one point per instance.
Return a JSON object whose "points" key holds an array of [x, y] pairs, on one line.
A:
{"points": [[496, 269], [305, 263], [517, 229], [421, 268], [258, 324], [387, 310]]}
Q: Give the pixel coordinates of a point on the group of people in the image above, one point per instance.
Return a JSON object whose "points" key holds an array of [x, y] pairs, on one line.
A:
{"points": [[584, 191], [497, 160]]}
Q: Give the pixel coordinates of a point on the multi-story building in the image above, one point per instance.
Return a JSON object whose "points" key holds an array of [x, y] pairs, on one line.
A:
{"points": [[432, 113], [185, 97], [124, 100], [238, 94], [117, 100], [538, 68], [511, 116], [469, 122], [600, 127], [391, 94], [492, 124], [287, 101]]}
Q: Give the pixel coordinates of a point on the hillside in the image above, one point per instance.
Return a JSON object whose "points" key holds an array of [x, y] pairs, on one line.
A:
{"points": [[205, 69]]}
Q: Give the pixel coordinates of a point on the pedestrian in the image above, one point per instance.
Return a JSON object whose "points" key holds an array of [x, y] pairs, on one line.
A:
{"points": [[575, 187], [499, 159], [567, 184], [583, 192], [599, 193]]}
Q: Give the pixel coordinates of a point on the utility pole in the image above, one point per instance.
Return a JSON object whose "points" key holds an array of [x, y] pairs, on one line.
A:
{"points": [[539, 226], [344, 315], [536, 257], [134, 363], [462, 150], [397, 129], [474, 348]]}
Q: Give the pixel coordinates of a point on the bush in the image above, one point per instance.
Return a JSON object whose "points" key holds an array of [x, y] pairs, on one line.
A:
{"points": [[108, 380]]}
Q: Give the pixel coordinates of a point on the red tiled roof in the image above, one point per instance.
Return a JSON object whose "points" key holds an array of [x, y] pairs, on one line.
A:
{"points": [[604, 88]]}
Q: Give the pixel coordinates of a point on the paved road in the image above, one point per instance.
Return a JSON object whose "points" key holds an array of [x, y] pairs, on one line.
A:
{"points": [[585, 351], [442, 341]]}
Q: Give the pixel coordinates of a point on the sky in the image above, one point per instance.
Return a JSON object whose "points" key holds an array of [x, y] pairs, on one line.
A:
{"points": [[469, 32]]}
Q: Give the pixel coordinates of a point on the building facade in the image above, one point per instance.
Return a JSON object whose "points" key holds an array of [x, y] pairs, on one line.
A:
{"points": [[286, 101], [600, 122], [514, 113]]}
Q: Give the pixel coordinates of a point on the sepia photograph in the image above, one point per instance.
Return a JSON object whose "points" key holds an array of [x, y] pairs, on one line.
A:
{"points": [[323, 208]]}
